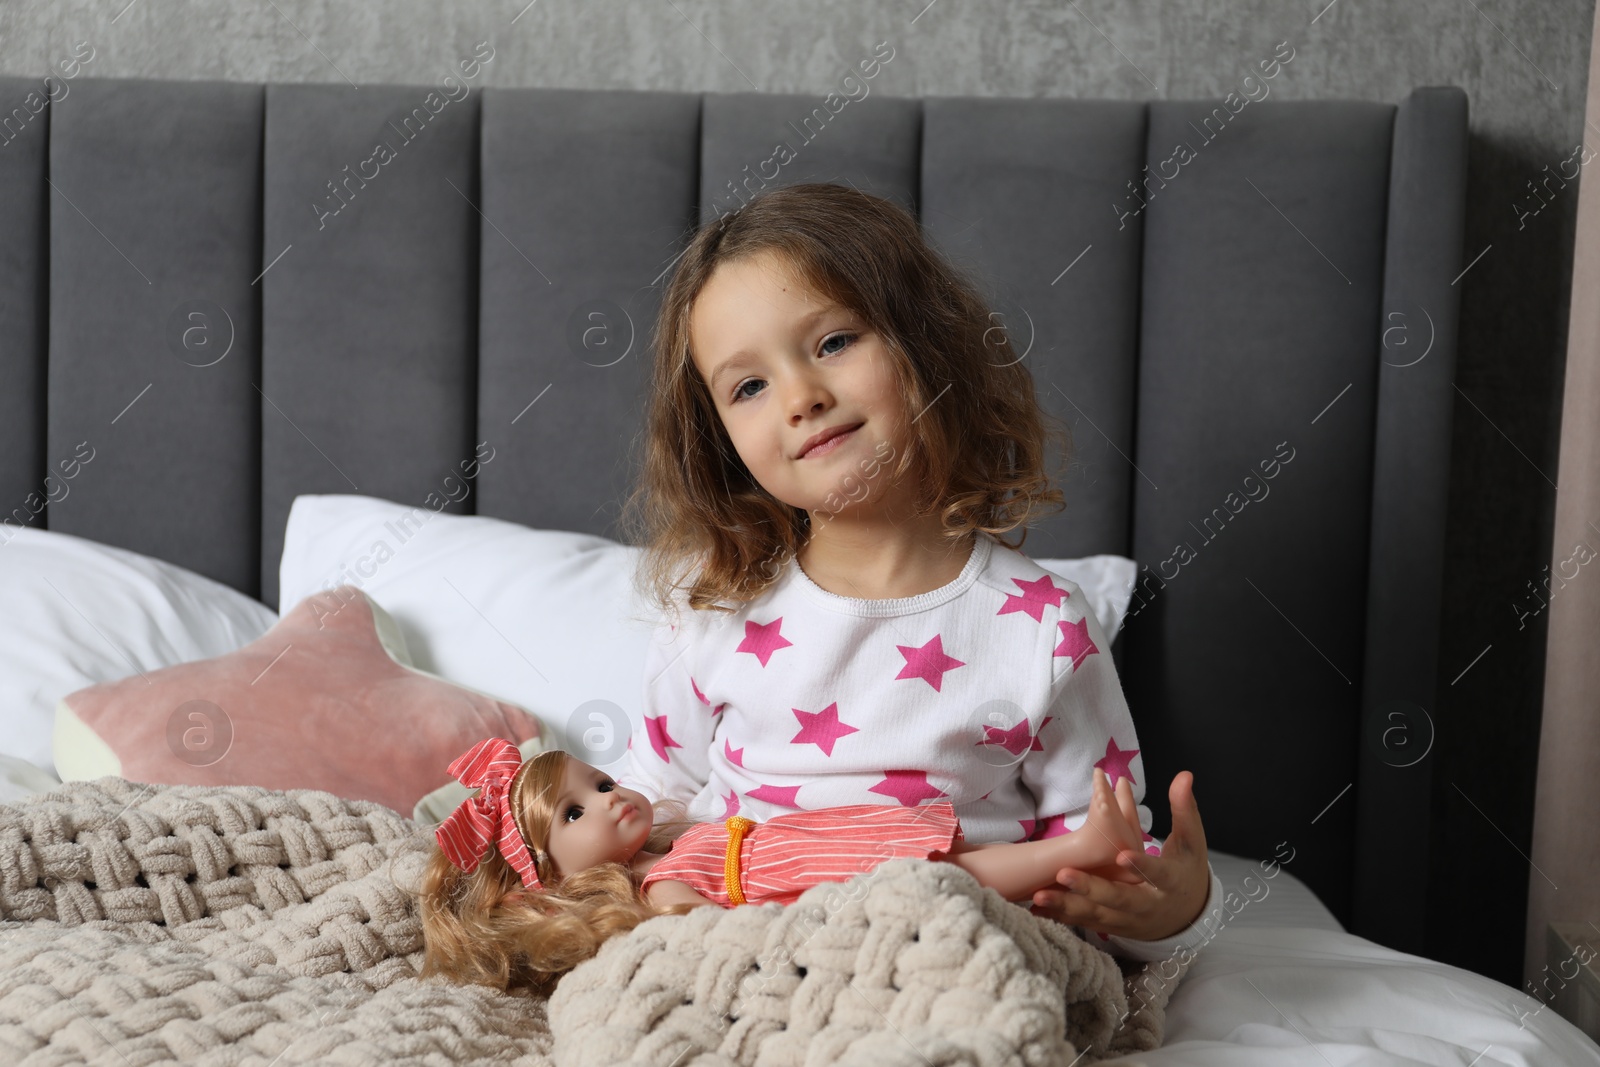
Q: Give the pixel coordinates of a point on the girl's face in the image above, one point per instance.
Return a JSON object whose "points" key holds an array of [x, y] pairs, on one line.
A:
{"points": [[595, 821], [784, 364]]}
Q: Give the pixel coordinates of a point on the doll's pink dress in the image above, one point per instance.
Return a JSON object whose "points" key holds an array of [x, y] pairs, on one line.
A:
{"points": [[781, 858]]}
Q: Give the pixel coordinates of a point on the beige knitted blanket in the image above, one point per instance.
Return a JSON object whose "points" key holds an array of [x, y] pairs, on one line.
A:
{"points": [[148, 924]]}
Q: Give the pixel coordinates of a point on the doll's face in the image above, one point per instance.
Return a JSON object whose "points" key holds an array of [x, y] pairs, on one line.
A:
{"points": [[783, 364], [596, 820]]}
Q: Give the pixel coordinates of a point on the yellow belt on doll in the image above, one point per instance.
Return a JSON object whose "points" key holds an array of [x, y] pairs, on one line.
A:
{"points": [[738, 826]]}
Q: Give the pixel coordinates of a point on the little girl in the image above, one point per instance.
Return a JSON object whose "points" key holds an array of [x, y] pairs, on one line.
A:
{"points": [[579, 860], [836, 432]]}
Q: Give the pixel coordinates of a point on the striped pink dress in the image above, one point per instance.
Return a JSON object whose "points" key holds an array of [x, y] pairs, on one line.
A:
{"points": [[781, 858]]}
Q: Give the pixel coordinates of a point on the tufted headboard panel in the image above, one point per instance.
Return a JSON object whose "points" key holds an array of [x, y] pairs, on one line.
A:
{"points": [[235, 293]]}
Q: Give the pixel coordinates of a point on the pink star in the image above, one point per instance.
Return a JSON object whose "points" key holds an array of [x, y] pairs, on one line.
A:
{"points": [[1054, 826], [774, 794], [910, 788], [1027, 828], [1035, 596], [928, 662], [1075, 641], [730, 805], [1015, 739], [821, 728], [660, 740], [734, 756], [763, 639], [1115, 762]]}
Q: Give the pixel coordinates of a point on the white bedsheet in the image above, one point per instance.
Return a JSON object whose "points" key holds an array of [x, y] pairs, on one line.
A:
{"points": [[1282, 984], [1288, 900]]}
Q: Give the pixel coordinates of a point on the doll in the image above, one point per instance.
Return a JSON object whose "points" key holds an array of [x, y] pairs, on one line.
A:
{"points": [[577, 859]]}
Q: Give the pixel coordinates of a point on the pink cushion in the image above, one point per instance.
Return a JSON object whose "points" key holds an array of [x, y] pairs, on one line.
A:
{"points": [[317, 702]]}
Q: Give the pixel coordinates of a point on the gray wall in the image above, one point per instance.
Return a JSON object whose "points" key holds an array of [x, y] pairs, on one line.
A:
{"points": [[1523, 64]]}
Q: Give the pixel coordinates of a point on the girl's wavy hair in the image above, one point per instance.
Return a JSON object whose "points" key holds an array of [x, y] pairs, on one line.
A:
{"points": [[489, 929], [977, 450]]}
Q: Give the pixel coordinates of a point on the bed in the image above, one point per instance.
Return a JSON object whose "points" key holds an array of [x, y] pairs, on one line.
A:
{"points": [[1278, 289], [331, 978]]}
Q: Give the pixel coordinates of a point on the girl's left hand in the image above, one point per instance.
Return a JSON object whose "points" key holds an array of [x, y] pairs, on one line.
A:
{"points": [[1168, 897]]}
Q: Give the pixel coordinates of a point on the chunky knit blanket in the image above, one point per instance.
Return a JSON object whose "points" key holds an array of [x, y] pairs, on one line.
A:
{"points": [[912, 964], [147, 924]]}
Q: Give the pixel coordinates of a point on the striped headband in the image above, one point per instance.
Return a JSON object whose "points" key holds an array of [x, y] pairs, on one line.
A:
{"points": [[487, 817]]}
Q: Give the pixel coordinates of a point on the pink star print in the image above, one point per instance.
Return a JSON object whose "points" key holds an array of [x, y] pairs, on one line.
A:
{"points": [[821, 728], [735, 756], [730, 805], [1115, 762], [928, 662], [1075, 641], [775, 794], [1016, 739], [1036, 595], [910, 788], [1027, 828], [763, 639], [660, 740]]}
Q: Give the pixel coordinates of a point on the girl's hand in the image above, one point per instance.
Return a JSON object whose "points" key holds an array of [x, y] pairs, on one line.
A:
{"points": [[1171, 888]]}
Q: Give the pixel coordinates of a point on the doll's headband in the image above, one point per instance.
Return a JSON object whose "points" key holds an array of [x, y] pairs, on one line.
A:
{"points": [[487, 817]]}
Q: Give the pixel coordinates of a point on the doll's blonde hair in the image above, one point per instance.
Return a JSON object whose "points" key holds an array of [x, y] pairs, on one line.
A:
{"points": [[487, 928]]}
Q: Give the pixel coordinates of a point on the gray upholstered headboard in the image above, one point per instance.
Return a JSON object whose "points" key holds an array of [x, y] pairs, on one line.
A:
{"points": [[233, 296]]}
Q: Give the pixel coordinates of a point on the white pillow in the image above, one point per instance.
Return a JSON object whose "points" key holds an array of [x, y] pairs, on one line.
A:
{"points": [[74, 612], [544, 618], [1107, 583], [547, 619]]}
